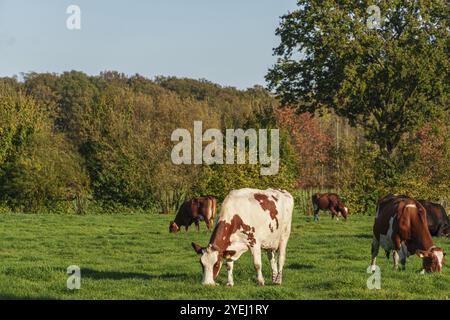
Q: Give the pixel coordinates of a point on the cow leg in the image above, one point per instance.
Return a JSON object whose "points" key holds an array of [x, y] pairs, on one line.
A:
{"points": [[334, 214], [403, 254], [273, 263], [401, 250], [396, 258], [375, 249], [230, 281], [316, 216], [316, 212], [256, 253], [211, 223], [208, 223], [197, 225], [281, 260]]}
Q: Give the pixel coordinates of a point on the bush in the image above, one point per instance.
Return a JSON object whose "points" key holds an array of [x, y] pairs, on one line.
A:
{"points": [[44, 170]]}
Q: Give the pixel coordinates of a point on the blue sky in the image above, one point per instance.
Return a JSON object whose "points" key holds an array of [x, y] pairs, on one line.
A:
{"points": [[228, 42]]}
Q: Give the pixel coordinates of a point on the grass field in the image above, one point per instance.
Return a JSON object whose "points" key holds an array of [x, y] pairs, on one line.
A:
{"points": [[134, 257]]}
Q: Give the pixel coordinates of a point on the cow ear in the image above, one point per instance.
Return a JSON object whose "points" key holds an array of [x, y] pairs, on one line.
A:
{"points": [[197, 248], [422, 253]]}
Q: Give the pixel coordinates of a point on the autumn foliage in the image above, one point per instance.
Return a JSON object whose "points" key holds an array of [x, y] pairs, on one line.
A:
{"points": [[312, 146]]}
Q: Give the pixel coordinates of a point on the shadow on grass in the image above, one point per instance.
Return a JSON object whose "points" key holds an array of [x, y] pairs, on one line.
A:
{"points": [[120, 275], [19, 298], [363, 236], [300, 266]]}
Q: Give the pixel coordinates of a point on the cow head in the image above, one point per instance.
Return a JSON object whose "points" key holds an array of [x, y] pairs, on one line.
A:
{"points": [[211, 263], [432, 260], [344, 212], [446, 231], [173, 227]]}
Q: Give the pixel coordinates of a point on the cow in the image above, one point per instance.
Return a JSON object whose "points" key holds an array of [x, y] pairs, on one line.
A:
{"points": [[401, 227], [438, 221], [193, 211], [329, 201], [249, 219]]}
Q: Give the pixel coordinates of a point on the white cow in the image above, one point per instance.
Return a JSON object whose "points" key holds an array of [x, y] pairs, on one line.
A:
{"points": [[249, 219]]}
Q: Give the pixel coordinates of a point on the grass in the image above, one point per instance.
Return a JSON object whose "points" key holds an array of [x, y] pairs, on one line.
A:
{"points": [[134, 257]]}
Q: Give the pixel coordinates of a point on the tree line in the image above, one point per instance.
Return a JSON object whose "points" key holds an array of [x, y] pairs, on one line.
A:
{"points": [[362, 111], [71, 141], [77, 143]]}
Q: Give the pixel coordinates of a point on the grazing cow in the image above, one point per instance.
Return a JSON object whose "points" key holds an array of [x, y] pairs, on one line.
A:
{"points": [[250, 219], [193, 211], [401, 227], [329, 201], [438, 221]]}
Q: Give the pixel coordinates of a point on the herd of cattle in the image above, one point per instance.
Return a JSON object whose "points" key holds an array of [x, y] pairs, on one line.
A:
{"points": [[254, 220]]}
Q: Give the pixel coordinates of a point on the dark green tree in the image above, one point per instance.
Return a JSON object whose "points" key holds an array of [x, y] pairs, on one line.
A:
{"points": [[387, 77]]}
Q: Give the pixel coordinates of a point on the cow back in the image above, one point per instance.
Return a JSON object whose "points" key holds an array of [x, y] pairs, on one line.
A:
{"points": [[403, 219], [251, 215], [185, 215]]}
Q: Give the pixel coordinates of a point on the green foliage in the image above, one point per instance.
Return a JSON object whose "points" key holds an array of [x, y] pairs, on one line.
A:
{"points": [[19, 116], [219, 180], [423, 160], [73, 142], [418, 168], [387, 80], [36, 164], [391, 82], [46, 168], [356, 176]]}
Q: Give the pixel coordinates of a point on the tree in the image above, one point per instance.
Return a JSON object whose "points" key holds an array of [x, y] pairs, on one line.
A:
{"points": [[388, 80], [312, 146], [45, 171], [19, 115], [37, 164]]}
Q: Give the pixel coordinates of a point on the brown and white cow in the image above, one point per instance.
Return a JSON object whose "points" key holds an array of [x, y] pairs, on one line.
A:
{"points": [[250, 219], [193, 211], [329, 201], [401, 227]]}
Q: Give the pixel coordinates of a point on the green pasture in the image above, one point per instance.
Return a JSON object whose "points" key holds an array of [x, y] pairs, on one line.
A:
{"points": [[134, 257]]}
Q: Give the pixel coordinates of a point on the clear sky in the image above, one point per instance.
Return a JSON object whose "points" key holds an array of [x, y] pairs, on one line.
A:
{"points": [[228, 41]]}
